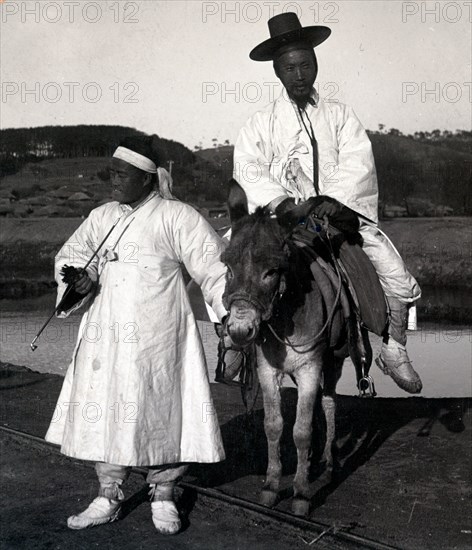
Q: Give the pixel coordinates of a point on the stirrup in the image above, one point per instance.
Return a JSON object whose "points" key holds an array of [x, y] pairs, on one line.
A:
{"points": [[366, 386]]}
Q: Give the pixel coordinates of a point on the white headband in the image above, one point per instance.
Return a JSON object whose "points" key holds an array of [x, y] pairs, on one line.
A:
{"points": [[135, 159]]}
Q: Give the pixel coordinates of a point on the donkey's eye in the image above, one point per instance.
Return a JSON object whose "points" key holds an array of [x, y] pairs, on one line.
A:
{"points": [[270, 273]]}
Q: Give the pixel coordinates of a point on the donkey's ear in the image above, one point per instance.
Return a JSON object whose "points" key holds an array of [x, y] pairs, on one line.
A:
{"points": [[237, 202]]}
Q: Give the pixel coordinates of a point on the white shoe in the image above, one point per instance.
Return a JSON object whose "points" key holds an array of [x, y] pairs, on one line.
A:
{"points": [[394, 361], [101, 510], [165, 517]]}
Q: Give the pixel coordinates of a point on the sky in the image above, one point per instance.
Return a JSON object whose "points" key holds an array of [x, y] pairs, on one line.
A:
{"points": [[181, 69]]}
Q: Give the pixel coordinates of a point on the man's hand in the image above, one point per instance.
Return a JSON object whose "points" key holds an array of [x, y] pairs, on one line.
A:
{"points": [[329, 207], [340, 216], [222, 333], [78, 278], [289, 214], [83, 284]]}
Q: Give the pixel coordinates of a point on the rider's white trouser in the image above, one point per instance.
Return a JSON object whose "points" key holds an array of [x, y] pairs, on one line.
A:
{"points": [[397, 282]]}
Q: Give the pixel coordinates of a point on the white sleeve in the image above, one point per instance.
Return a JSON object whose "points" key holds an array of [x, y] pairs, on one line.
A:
{"points": [[198, 246], [356, 177], [252, 163]]}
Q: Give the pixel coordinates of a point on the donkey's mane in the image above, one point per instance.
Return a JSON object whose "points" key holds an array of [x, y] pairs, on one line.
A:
{"points": [[260, 217], [261, 213]]}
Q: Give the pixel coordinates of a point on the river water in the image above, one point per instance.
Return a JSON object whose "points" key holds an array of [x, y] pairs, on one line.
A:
{"points": [[442, 355]]}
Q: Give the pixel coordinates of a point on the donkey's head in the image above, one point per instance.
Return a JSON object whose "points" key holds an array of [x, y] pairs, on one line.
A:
{"points": [[257, 261]]}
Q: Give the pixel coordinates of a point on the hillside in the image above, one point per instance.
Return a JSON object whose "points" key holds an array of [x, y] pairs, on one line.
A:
{"points": [[408, 169], [62, 172], [48, 188], [410, 174]]}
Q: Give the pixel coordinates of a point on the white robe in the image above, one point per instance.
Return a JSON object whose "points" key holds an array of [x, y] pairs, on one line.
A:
{"points": [[264, 159], [274, 137], [137, 391]]}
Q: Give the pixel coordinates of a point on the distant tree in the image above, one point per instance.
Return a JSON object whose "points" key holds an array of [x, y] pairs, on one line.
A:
{"points": [[381, 128]]}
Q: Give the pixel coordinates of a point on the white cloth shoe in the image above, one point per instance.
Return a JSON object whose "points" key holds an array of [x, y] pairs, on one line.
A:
{"points": [[101, 510], [394, 361], [165, 517]]}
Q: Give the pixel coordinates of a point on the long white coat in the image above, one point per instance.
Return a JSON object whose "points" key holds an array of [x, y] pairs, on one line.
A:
{"points": [[137, 390], [274, 137]]}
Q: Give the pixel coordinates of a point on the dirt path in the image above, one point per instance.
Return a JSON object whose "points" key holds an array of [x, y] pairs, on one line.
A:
{"points": [[34, 514], [403, 477]]}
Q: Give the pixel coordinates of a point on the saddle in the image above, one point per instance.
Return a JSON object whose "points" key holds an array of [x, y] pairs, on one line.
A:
{"points": [[361, 282], [333, 254]]}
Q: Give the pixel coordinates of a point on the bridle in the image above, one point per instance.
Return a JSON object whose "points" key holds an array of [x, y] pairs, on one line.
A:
{"points": [[256, 303], [280, 290]]}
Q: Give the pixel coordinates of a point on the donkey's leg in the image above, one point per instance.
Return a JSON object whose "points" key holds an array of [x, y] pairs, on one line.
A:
{"points": [[331, 374], [273, 426], [308, 380]]}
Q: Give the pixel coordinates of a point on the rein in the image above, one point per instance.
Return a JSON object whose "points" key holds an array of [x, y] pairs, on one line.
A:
{"points": [[311, 343], [248, 380]]}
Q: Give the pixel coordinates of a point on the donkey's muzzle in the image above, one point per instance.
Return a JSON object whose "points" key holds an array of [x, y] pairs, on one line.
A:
{"points": [[243, 323]]}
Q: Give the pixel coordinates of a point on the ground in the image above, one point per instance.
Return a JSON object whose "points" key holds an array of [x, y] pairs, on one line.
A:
{"points": [[404, 475]]}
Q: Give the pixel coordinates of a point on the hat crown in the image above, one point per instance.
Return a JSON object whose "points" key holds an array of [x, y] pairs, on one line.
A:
{"points": [[282, 23], [284, 29]]}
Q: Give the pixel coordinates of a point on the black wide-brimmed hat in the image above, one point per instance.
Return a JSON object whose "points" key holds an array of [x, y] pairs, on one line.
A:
{"points": [[286, 29]]}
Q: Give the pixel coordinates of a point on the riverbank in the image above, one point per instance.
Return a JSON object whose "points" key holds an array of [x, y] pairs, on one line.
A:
{"points": [[441, 353], [437, 251]]}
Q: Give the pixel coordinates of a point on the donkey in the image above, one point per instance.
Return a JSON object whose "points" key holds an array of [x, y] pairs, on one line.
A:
{"points": [[275, 302]]}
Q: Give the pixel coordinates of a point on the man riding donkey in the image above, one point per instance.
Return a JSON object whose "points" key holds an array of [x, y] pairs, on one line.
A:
{"points": [[303, 154], [137, 390]]}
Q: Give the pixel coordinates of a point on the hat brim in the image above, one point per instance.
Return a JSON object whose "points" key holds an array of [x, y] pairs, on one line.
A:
{"points": [[313, 35]]}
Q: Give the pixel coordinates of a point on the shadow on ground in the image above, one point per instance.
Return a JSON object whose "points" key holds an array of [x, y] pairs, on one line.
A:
{"points": [[362, 427], [403, 473]]}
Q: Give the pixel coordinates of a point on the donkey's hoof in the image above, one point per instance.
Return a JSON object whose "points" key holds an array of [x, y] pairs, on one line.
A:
{"points": [[268, 498], [300, 506]]}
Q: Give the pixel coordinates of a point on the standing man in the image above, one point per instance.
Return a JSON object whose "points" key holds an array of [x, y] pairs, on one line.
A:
{"points": [[302, 147], [137, 390]]}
